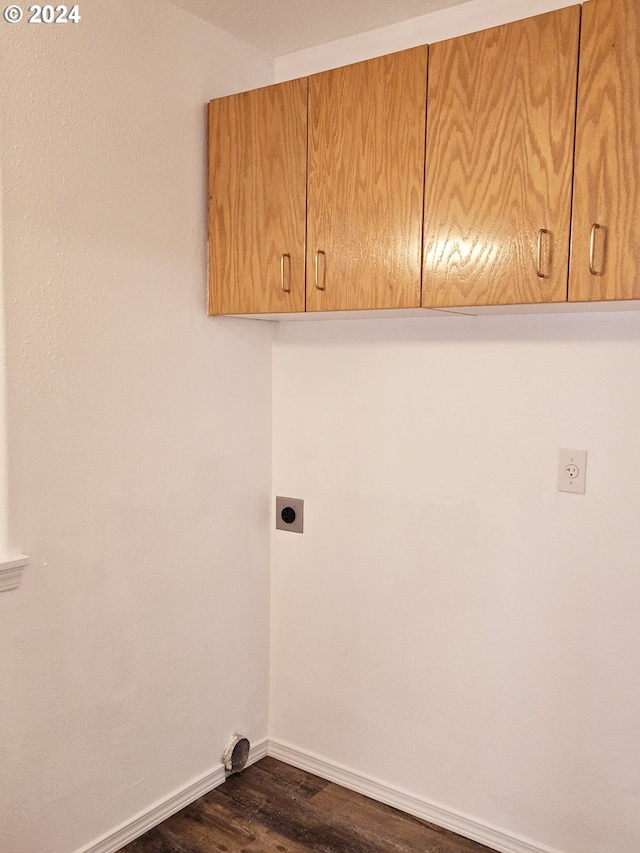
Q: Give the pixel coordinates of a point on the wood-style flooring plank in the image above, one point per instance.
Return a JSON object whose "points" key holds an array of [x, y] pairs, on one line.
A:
{"points": [[399, 832], [274, 808], [275, 778]]}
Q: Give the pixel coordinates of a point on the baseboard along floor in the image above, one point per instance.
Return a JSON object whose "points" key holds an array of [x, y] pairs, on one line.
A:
{"points": [[272, 807]]}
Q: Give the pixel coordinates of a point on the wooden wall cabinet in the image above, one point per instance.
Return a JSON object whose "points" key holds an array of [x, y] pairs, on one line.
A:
{"points": [[319, 199], [363, 191], [605, 242], [365, 183], [499, 161], [257, 200]]}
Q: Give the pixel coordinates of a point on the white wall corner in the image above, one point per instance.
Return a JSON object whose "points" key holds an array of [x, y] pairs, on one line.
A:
{"points": [[180, 799], [11, 572], [434, 813]]}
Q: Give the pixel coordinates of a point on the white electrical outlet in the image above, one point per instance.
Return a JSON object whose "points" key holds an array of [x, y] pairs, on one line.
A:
{"points": [[572, 471]]}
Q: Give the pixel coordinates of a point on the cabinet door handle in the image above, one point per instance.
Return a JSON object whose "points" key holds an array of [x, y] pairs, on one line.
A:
{"points": [[592, 248], [286, 286], [317, 271], [542, 232]]}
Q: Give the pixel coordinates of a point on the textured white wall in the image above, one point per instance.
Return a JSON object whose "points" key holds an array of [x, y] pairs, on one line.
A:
{"points": [[5, 550], [139, 429], [449, 624]]}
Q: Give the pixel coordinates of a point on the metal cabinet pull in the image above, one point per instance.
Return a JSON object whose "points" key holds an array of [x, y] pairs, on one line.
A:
{"points": [[324, 272], [592, 248], [541, 233], [286, 287]]}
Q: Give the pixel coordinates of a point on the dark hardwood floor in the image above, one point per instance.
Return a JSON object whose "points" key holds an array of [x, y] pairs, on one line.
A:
{"points": [[273, 808]]}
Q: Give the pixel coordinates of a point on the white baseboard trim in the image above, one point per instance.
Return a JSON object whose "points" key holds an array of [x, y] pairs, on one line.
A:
{"points": [[464, 825], [146, 820], [447, 818]]}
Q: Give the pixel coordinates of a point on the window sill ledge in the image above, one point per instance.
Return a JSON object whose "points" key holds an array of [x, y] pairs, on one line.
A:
{"points": [[11, 572]]}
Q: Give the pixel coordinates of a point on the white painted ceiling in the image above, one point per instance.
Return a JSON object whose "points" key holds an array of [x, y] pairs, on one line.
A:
{"points": [[284, 26]]}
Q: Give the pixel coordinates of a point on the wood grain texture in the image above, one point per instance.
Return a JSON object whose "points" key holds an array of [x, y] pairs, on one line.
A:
{"points": [[365, 184], [257, 199], [607, 166], [500, 129], [274, 808]]}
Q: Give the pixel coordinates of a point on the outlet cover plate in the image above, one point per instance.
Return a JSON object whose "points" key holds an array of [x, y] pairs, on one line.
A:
{"points": [[292, 504], [572, 471]]}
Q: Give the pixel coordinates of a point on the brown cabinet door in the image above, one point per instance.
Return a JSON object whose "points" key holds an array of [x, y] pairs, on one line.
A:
{"points": [[499, 163], [365, 183], [257, 199], [605, 241]]}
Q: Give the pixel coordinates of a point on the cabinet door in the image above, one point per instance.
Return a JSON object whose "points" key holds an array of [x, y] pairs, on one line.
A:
{"points": [[257, 198], [365, 183], [605, 242], [499, 161]]}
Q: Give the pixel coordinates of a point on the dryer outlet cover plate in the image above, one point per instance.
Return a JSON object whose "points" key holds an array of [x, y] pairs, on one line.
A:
{"points": [[289, 514]]}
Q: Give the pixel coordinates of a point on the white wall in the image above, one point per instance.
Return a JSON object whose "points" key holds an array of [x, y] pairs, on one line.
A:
{"points": [[4, 543], [449, 624], [139, 429]]}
